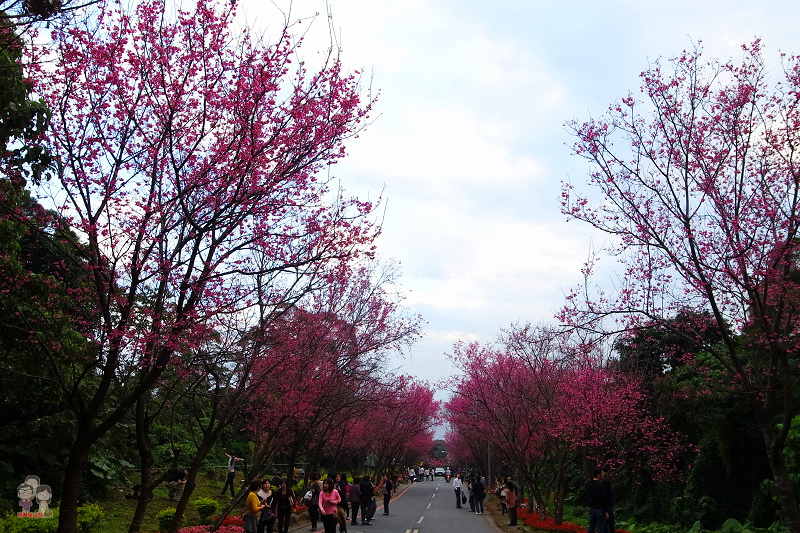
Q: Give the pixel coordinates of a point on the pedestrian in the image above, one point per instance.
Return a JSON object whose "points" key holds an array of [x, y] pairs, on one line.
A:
{"points": [[478, 493], [609, 491], [329, 500], [596, 496], [457, 487], [175, 481], [341, 487], [253, 507], [471, 495], [511, 503], [231, 469], [388, 486], [367, 494], [503, 499], [284, 503], [311, 499], [355, 500], [377, 492], [265, 495]]}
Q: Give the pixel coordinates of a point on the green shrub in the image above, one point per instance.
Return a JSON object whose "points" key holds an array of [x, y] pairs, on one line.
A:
{"points": [[165, 519], [29, 525], [89, 516], [206, 507]]}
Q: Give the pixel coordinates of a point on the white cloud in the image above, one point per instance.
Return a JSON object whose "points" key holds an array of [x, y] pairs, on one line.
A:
{"points": [[470, 144]]}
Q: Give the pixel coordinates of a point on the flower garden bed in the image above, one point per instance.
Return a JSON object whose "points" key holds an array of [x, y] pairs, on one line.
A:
{"points": [[535, 521]]}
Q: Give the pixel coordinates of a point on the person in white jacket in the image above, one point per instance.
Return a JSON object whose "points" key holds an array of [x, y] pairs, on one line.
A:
{"points": [[457, 487]]}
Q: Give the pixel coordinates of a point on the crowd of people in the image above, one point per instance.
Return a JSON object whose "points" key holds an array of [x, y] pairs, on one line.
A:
{"points": [[472, 491], [336, 502], [332, 501]]}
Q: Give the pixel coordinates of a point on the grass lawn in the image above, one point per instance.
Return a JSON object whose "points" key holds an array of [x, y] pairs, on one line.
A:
{"points": [[119, 511]]}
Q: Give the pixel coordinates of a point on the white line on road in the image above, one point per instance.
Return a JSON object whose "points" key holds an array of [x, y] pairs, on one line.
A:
{"points": [[420, 519], [429, 506]]}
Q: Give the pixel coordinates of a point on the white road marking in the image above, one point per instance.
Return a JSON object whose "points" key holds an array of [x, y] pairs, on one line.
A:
{"points": [[429, 506], [420, 519]]}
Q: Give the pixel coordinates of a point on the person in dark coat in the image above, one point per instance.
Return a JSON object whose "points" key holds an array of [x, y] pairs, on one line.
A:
{"points": [[596, 496], [478, 493], [355, 501]]}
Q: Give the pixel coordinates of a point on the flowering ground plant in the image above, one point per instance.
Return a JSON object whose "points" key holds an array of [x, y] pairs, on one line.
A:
{"points": [[229, 521], [204, 529], [534, 519]]}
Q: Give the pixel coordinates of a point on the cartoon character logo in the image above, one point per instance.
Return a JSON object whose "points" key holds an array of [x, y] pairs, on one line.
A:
{"points": [[26, 495], [33, 481], [43, 495]]}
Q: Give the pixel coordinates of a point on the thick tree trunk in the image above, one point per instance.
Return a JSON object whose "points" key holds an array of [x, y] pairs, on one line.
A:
{"points": [[191, 481], [68, 512], [145, 468], [561, 491], [144, 500], [783, 485]]}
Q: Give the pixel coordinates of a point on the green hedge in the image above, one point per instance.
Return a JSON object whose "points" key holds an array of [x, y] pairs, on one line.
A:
{"points": [[88, 517]]}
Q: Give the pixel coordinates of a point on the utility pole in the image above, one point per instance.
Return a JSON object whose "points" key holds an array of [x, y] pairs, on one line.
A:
{"points": [[489, 477]]}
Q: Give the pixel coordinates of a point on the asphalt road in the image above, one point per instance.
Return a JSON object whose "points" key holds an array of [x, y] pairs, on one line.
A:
{"points": [[426, 507]]}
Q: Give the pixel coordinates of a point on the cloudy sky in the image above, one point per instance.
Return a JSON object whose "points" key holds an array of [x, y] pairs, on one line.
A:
{"points": [[470, 146]]}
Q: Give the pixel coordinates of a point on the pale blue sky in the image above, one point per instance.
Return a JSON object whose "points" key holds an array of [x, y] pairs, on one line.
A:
{"points": [[470, 144]]}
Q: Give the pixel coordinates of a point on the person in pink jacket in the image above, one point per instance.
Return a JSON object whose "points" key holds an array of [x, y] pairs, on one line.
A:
{"points": [[328, 503]]}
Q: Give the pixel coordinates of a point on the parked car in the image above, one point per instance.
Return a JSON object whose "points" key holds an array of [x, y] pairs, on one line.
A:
{"points": [[439, 472]]}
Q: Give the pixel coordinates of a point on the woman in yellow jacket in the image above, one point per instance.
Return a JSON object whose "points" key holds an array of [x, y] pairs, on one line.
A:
{"points": [[253, 508]]}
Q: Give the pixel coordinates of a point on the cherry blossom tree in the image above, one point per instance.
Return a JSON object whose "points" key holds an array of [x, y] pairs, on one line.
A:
{"points": [[699, 181], [188, 160], [542, 407], [400, 422], [320, 365]]}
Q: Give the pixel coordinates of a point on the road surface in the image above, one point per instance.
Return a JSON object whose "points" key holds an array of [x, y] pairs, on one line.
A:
{"points": [[426, 507]]}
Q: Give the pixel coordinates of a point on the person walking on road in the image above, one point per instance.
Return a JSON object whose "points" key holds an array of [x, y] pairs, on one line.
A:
{"points": [[355, 500], [457, 487], [284, 503], [265, 495], [253, 507], [367, 492], [328, 504], [511, 503], [478, 494], [341, 486], [387, 494]]}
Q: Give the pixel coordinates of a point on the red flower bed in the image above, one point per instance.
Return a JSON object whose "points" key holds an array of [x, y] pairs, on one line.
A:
{"points": [[548, 524], [204, 529], [230, 521]]}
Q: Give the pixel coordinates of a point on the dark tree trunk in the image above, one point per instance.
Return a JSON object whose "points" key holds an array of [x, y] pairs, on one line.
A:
{"points": [[561, 491], [68, 512], [191, 481], [783, 483]]}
